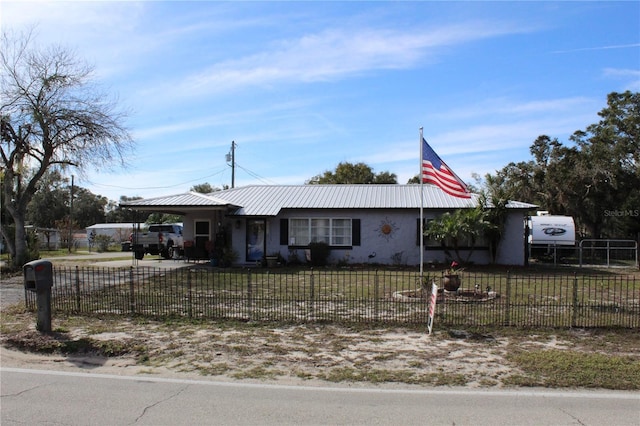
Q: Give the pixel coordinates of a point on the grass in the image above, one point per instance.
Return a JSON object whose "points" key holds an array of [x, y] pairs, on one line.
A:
{"points": [[563, 298], [63, 252], [562, 368], [56, 342]]}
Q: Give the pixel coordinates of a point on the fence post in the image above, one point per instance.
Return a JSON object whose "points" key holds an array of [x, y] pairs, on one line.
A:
{"points": [[77, 289], [376, 307], [249, 294], [507, 309], [580, 253], [311, 295], [189, 294], [574, 307], [132, 301]]}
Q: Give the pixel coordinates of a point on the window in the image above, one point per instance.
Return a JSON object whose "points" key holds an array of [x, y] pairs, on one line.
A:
{"points": [[335, 232], [341, 232], [299, 232]]}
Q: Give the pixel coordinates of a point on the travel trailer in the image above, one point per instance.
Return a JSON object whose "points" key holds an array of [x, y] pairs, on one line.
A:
{"points": [[552, 230]]}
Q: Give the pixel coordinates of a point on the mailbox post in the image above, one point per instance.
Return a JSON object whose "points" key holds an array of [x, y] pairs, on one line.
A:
{"points": [[38, 278]]}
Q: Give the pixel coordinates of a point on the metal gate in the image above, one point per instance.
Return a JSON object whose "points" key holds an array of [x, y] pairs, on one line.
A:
{"points": [[608, 252]]}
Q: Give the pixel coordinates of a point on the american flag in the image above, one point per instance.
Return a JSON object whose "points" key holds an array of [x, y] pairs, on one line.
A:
{"points": [[436, 172]]}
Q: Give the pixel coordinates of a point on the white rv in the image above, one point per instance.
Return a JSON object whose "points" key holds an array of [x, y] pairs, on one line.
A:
{"points": [[552, 230]]}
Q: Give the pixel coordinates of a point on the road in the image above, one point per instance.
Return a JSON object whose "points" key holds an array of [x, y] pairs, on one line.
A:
{"points": [[48, 397]]}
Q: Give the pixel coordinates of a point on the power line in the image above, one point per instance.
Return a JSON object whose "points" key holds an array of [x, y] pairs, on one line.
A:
{"points": [[257, 176], [199, 179], [156, 187]]}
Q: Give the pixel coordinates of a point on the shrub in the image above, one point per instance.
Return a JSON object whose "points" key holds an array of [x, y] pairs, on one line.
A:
{"points": [[102, 242], [319, 253]]}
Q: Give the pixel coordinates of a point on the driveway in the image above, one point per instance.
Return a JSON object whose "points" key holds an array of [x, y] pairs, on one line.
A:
{"points": [[12, 287]]}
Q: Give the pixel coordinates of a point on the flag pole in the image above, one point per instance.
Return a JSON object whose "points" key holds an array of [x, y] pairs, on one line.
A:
{"points": [[421, 210]]}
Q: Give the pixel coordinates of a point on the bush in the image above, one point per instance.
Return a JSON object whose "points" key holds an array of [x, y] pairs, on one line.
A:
{"points": [[319, 253], [228, 258], [102, 242], [293, 259]]}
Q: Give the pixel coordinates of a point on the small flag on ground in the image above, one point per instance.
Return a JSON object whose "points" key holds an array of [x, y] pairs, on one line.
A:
{"points": [[436, 172]]}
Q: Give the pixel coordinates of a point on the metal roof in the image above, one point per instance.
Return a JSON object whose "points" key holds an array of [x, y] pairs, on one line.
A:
{"points": [[112, 225], [268, 200], [179, 203]]}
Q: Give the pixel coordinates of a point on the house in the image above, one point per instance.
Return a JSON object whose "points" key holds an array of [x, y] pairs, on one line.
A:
{"points": [[48, 238], [118, 232], [361, 223]]}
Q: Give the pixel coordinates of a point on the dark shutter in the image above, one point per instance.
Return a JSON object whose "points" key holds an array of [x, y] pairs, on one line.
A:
{"points": [[284, 232], [418, 230], [355, 232]]}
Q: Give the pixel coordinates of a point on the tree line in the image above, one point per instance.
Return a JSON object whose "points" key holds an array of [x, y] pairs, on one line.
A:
{"points": [[595, 178]]}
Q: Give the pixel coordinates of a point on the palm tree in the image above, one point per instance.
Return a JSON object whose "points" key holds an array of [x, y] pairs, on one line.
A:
{"points": [[462, 226]]}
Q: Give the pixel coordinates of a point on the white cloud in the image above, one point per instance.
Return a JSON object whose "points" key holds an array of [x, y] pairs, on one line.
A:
{"points": [[504, 107], [614, 72], [333, 54], [610, 47]]}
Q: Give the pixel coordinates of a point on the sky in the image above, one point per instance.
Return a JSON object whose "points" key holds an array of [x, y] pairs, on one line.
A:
{"points": [[303, 86]]}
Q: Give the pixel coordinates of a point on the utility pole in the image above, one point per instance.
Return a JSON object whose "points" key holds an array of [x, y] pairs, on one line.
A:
{"points": [[231, 157], [71, 216]]}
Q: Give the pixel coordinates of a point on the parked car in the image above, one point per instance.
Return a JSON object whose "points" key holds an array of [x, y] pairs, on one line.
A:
{"points": [[160, 239]]}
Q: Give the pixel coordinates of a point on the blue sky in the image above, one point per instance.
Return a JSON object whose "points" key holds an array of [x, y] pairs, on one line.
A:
{"points": [[303, 86]]}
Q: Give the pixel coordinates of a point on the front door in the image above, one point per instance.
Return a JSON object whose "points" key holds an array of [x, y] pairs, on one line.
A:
{"points": [[256, 233], [201, 236]]}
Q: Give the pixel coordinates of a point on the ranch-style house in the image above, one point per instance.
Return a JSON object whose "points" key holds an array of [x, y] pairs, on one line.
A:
{"points": [[360, 223]]}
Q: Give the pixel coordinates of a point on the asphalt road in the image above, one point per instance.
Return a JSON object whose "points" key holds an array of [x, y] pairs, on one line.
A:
{"points": [[47, 397]]}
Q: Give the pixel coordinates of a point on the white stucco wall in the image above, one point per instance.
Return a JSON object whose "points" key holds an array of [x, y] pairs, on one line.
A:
{"points": [[512, 248], [215, 218], [397, 246]]}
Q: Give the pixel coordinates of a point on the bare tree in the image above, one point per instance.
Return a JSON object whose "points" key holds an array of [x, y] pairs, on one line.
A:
{"points": [[53, 116]]}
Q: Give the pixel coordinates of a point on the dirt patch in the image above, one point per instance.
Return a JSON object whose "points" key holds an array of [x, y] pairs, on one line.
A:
{"points": [[289, 354], [295, 353]]}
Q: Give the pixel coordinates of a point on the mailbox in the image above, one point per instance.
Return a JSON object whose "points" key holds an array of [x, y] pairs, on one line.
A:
{"points": [[38, 275]]}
